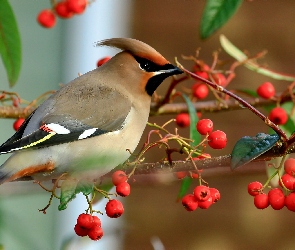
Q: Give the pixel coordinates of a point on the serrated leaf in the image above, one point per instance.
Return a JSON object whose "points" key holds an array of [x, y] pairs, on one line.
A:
{"points": [[248, 148], [194, 134], [85, 187], [233, 51], [68, 193], [216, 14], [10, 43], [185, 184]]}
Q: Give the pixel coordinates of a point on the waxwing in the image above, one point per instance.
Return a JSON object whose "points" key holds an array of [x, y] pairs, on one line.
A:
{"points": [[91, 124]]}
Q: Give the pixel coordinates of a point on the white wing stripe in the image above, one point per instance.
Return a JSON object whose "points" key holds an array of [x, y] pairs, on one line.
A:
{"points": [[87, 133], [59, 129]]}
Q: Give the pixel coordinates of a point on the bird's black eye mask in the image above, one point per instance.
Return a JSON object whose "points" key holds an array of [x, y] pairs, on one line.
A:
{"points": [[164, 71], [150, 66]]}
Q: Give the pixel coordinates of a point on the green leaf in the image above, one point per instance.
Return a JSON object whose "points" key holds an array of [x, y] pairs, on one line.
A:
{"points": [[196, 137], [216, 14], [233, 51], [85, 187], [194, 134], [10, 44], [185, 184], [248, 148], [68, 193]]}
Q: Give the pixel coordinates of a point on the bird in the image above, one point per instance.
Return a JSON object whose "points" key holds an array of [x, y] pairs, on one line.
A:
{"points": [[92, 124]]}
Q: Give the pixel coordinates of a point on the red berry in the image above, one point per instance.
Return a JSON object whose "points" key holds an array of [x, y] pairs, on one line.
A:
{"points": [[202, 74], [289, 166], [85, 221], [194, 174], [220, 79], [183, 120], [202, 193], [17, 124], [261, 201], [206, 204], [266, 90], [217, 139], [180, 175], [114, 208], [77, 6], [46, 18], [200, 90], [81, 231], [102, 61], [189, 202], [276, 198], [290, 202], [118, 177], [215, 194], [96, 221], [62, 10], [278, 116], [288, 181], [254, 188], [204, 126], [123, 189], [201, 68], [95, 233]]}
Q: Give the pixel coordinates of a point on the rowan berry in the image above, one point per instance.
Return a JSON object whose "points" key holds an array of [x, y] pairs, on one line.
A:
{"points": [[189, 202], [266, 90], [278, 116], [85, 221], [290, 202], [217, 139], [202, 193], [81, 231], [62, 10], [206, 204], [46, 18], [220, 79], [200, 90], [215, 194], [276, 198], [95, 233], [102, 61], [180, 174], [261, 201], [77, 6], [17, 124], [183, 120], [114, 208], [204, 126], [96, 221], [123, 189], [289, 166], [254, 188], [288, 181], [118, 177]]}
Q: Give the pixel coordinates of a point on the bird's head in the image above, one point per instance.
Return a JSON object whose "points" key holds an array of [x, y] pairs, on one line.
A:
{"points": [[140, 63]]}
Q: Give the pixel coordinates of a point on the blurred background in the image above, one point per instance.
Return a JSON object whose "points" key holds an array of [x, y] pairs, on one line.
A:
{"points": [[152, 218]]}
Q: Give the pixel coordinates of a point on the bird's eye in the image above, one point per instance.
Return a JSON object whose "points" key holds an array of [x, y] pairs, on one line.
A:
{"points": [[146, 64]]}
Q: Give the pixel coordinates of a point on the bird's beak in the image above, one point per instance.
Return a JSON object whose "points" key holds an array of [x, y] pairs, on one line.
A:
{"points": [[173, 70]]}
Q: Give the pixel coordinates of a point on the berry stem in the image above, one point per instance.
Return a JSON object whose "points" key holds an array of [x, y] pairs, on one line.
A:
{"points": [[240, 100]]}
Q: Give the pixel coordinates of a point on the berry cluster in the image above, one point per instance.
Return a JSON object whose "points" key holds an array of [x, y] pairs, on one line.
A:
{"points": [[90, 225], [276, 197], [216, 139], [63, 9], [202, 197], [277, 115]]}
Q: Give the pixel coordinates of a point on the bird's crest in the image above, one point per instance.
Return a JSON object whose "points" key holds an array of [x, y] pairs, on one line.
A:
{"points": [[135, 47]]}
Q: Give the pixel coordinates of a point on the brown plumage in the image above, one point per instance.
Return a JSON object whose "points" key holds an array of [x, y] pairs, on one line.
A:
{"points": [[86, 127]]}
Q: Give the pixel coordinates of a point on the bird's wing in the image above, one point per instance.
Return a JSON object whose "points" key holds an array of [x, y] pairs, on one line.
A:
{"points": [[74, 115]]}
